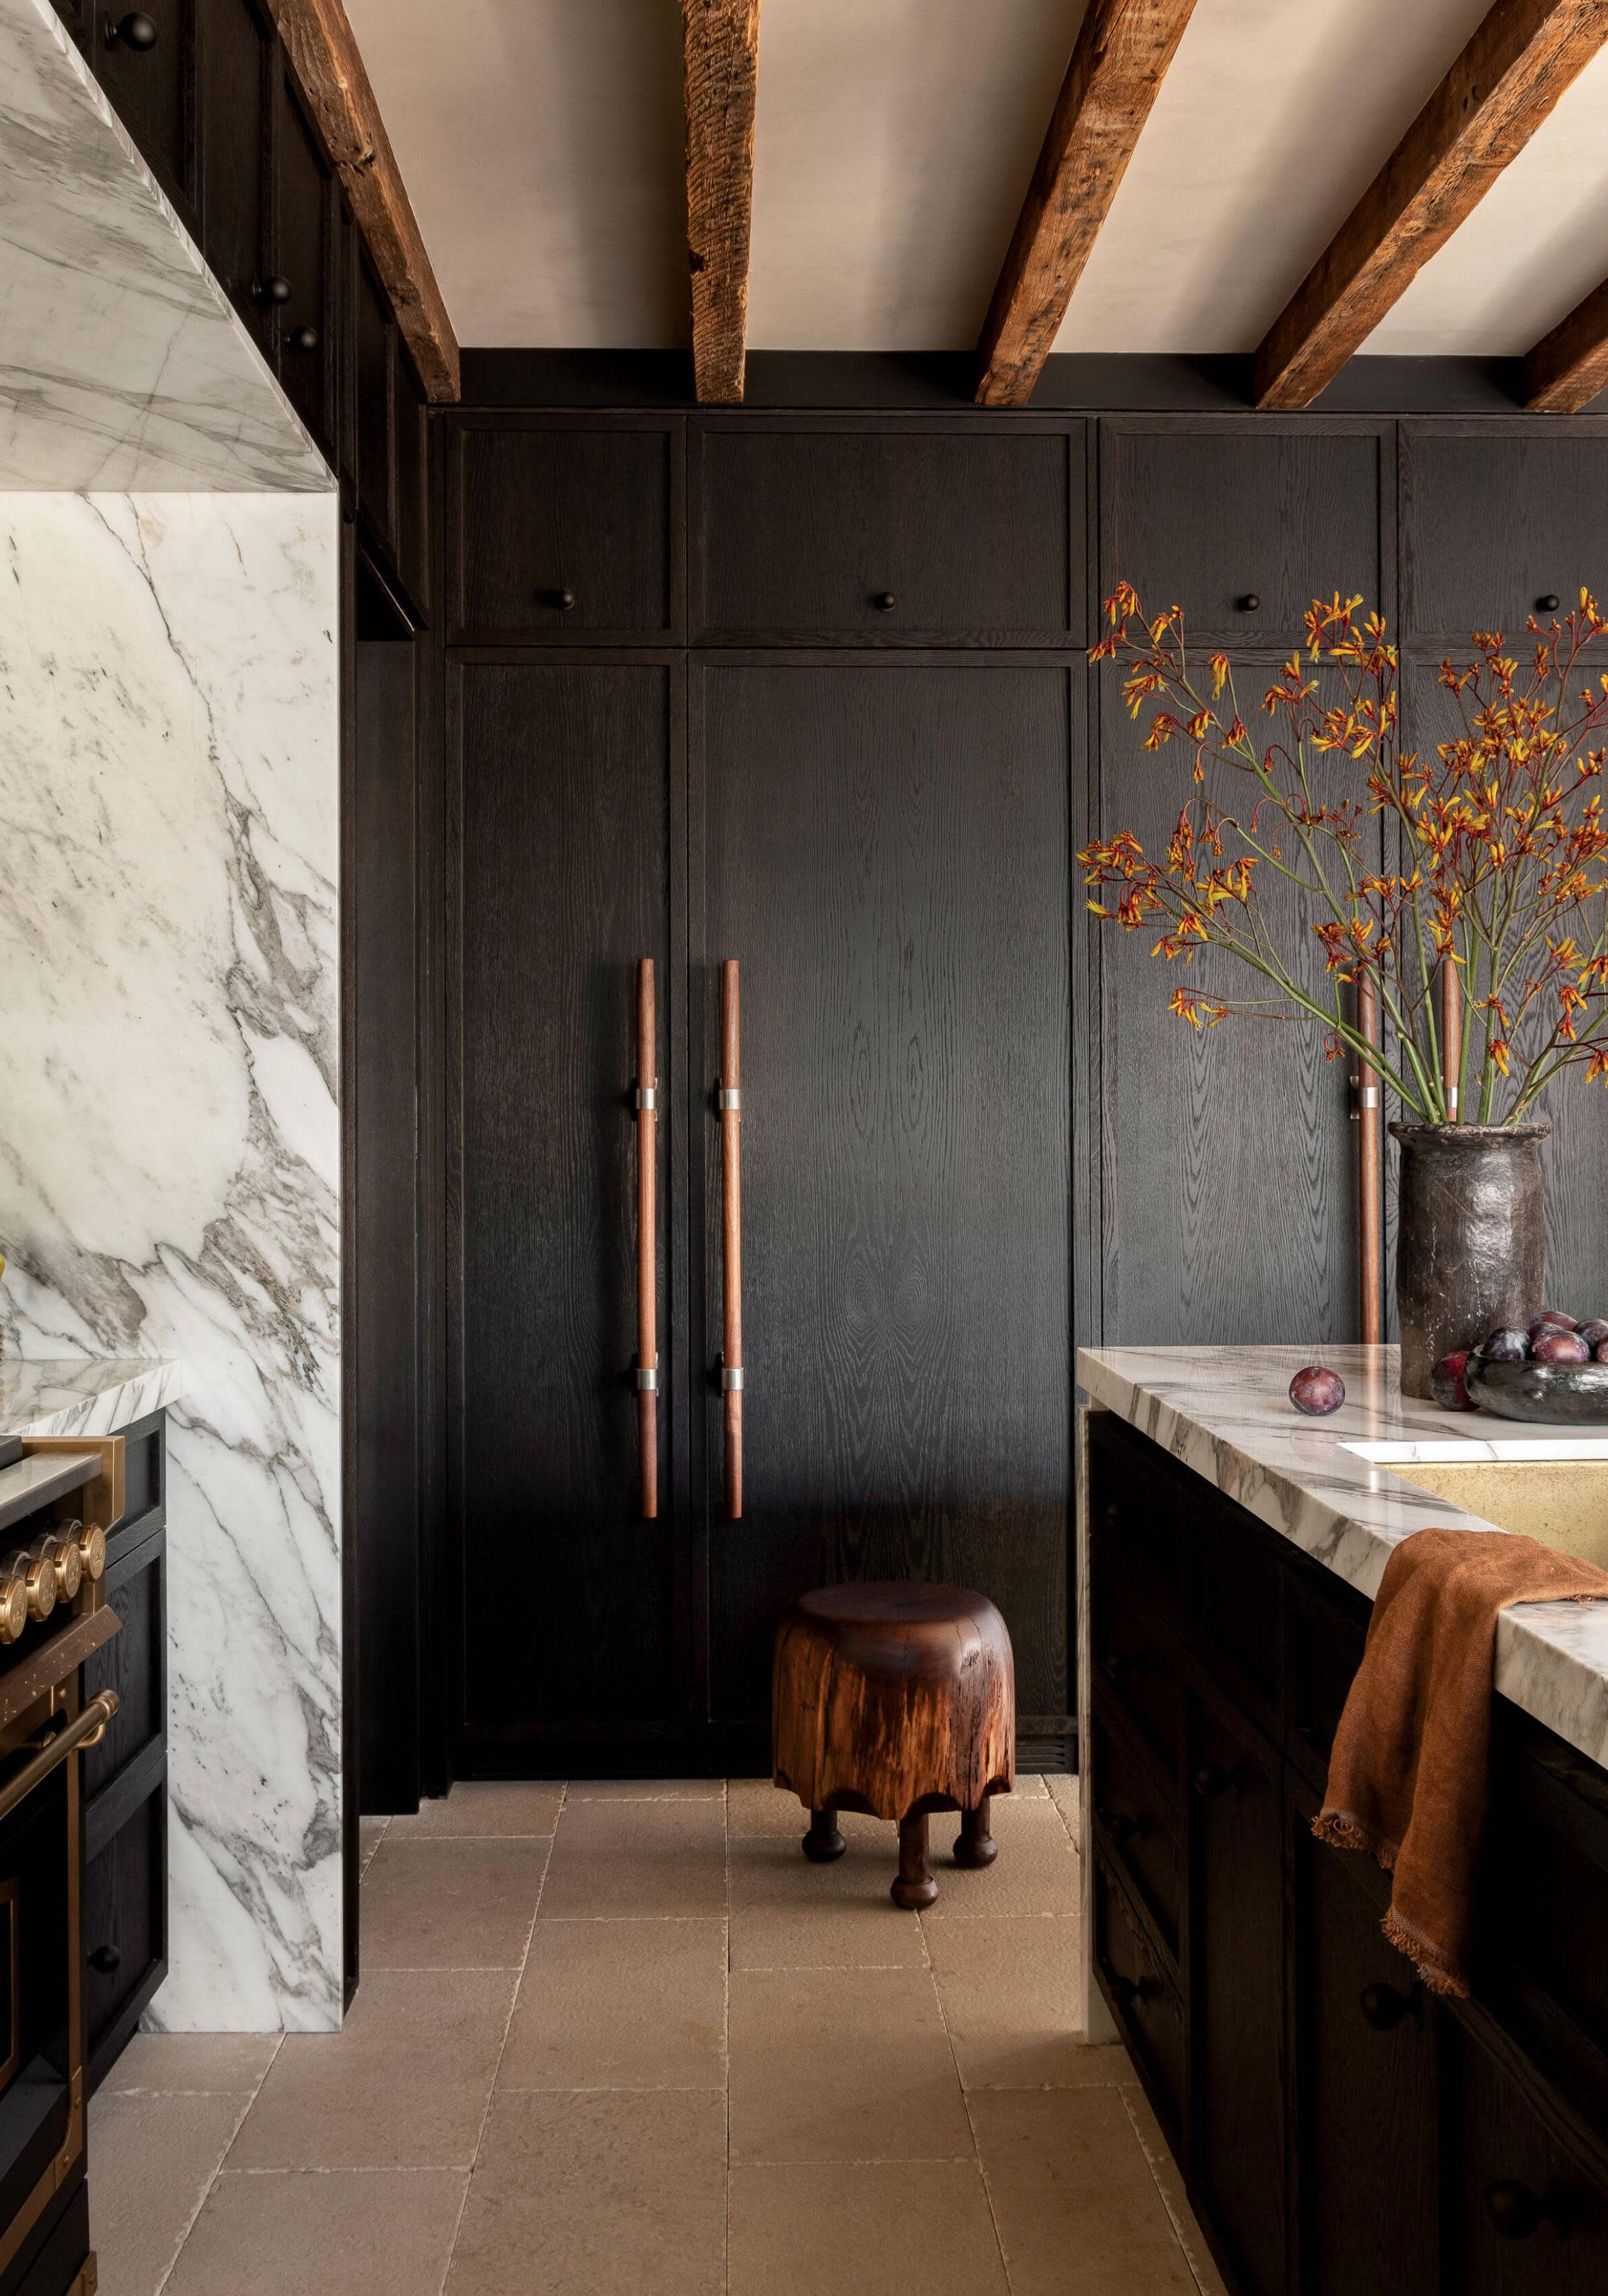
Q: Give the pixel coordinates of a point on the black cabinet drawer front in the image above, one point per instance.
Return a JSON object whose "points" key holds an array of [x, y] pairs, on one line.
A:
{"points": [[306, 242], [145, 1495], [889, 537], [1529, 2214], [154, 89], [1210, 523], [1235, 1612], [563, 533], [1493, 523], [125, 1926], [1140, 1666], [1140, 1507], [236, 50], [1139, 1822], [1324, 1649], [1141, 1998], [133, 1663]]}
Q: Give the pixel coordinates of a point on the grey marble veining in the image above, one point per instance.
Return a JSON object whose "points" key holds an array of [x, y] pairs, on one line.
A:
{"points": [[84, 1397], [122, 363], [1226, 1413]]}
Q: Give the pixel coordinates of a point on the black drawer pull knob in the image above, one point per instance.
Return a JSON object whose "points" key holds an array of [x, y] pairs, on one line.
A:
{"points": [[1249, 603], [136, 32], [563, 599], [883, 600], [105, 1958], [276, 290], [1122, 1828], [1131, 1994], [1515, 2212], [1210, 1781], [1119, 1664], [303, 338], [1549, 603], [1384, 2006]]}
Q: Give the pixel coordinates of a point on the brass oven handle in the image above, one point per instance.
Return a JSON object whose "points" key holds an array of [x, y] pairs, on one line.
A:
{"points": [[730, 1167], [647, 1234], [88, 1730]]}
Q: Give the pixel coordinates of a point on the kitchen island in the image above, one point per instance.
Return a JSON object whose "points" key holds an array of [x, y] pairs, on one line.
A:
{"points": [[1338, 2129]]}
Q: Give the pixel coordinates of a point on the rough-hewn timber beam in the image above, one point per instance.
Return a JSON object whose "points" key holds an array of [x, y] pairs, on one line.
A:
{"points": [[1568, 367], [1514, 70], [1119, 62], [324, 52], [720, 55]]}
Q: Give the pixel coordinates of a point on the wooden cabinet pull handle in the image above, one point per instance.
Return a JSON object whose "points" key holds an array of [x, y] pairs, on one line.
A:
{"points": [[730, 1104], [647, 1223]]}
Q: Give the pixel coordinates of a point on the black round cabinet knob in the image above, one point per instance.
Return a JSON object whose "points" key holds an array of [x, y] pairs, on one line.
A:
{"points": [[1249, 603], [1384, 2008], [105, 1958], [135, 31], [563, 599], [303, 338], [276, 290], [1513, 2209], [1210, 1781], [1549, 603], [883, 600]]}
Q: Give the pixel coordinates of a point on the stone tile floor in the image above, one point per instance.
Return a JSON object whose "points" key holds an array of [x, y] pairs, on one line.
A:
{"points": [[623, 2040]]}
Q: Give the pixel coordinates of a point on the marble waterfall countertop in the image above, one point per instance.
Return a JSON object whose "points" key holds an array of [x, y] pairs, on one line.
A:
{"points": [[1225, 1412], [85, 1396]]}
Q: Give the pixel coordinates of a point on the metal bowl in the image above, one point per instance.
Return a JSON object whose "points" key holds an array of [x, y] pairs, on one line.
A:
{"points": [[1569, 1395]]}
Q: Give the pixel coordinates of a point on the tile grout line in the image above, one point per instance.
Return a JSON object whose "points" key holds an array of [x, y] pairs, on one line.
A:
{"points": [[965, 2102], [1185, 2248], [212, 2181], [513, 2003]]}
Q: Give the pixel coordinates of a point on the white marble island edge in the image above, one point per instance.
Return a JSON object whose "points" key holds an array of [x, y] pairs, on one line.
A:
{"points": [[86, 1396]]}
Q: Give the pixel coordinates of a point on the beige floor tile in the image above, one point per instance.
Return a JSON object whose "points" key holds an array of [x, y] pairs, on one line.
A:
{"points": [[1031, 1785], [1009, 1995], [836, 2230], [344, 2233], [1065, 1793], [404, 2085], [842, 2064], [1035, 1873], [647, 1790], [485, 1805], [613, 2192], [371, 1833], [218, 2064], [154, 2159], [1165, 2171], [787, 1913], [634, 1859], [1077, 2206], [621, 2004], [755, 1808], [450, 1904]]}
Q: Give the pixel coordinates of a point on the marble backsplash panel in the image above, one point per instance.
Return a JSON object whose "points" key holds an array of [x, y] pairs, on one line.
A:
{"points": [[170, 1141]]}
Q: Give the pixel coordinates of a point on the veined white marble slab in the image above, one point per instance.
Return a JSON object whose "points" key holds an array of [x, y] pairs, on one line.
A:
{"points": [[1225, 1412], [73, 1397]]}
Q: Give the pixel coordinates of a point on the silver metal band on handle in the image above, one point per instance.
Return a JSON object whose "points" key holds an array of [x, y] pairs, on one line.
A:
{"points": [[731, 1378]]}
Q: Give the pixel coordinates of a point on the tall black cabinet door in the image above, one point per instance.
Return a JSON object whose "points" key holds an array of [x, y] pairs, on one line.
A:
{"points": [[562, 780], [885, 853]]}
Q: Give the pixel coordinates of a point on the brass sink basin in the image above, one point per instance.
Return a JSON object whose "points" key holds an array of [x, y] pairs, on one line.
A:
{"points": [[1562, 1502]]}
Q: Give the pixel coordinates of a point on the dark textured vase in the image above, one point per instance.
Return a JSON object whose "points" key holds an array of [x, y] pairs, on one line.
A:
{"points": [[1471, 1244]]}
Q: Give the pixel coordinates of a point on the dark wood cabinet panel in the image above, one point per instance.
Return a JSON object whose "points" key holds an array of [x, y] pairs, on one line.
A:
{"points": [[77, 16], [1495, 519], [413, 475], [153, 90], [543, 509], [1209, 517], [1529, 2216], [897, 534], [374, 360], [306, 244], [1140, 1825], [1141, 1998], [125, 1926], [134, 1663], [236, 58], [892, 877], [562, 783]]}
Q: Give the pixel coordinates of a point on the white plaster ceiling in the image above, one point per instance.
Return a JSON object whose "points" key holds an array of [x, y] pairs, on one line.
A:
{"points": [[541, 142]]}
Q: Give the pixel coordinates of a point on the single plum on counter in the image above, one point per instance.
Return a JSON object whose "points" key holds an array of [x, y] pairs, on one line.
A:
{"points": [[1560, 1348], [1507, 1344], [1554, 1316], [1594, 1332], [1317, 1391], [1446, 1383]]}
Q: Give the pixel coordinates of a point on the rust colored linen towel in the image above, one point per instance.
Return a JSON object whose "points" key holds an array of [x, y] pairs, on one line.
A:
{"points": [[1410, 1774]]}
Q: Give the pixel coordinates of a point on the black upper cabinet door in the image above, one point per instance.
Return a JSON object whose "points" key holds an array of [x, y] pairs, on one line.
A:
{"points": [[1494, 521], [236, 57], [346, 359], [1527, 2217], [413, 518], [374, 352], [908, 534], [1209, 521], [154, 89], [562, 529], [886, 858], [1236, 1932], [562, 779], [306, 242]]}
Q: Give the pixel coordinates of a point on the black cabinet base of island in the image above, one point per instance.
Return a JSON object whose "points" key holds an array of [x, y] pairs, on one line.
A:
{"points": [[1341, 2132]]}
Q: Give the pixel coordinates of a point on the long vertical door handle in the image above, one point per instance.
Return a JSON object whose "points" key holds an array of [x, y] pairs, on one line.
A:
{"points": [[731, 1166], [1370, 1222], [647, 1283]]}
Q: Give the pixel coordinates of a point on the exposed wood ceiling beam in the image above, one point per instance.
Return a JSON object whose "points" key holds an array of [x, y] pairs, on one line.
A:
{"points": [[1514, 70], [1568, 367], [720, 56], [324, 52], [1119, 62]]}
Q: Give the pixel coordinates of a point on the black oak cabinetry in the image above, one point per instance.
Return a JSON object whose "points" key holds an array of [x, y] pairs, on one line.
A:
{"points": [[126, 1776], [145, 59], [1338, 2128], [306, 272], [235, 115]]}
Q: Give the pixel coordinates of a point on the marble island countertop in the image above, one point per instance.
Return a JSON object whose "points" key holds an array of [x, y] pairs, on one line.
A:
{"points": [[1226, 1413], [85, 1396]]}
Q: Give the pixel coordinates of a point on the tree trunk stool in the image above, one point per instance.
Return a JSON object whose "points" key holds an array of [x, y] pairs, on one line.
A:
{"points": [[895, 1699]]}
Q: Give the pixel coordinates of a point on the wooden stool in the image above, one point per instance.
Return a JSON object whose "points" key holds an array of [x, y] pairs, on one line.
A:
{"points": [[895, 1699]]}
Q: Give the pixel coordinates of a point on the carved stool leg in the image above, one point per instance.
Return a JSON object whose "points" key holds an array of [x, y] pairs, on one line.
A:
{"points": [[975, 1846], [914, 1885], [822, 1842]]}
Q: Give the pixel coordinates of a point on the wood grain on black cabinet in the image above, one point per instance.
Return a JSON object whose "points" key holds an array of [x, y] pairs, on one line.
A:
{"points": [[900, 534], [305, 258], [564, 528], [77, 15], [153, 90], [411, 429], [1208, 517], [134, 1663], [235, 107], [1495, 518], [373, 361], [564, 781], [125, 1924], [1133, 1977], [1137, 1815], [891, 874], [1528, 2208]]}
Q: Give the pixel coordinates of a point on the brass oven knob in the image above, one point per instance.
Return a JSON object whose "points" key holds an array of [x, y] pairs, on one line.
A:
{"points": [[92, 1550], [67, 1560], [14, 1599], [39, 1577]]}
